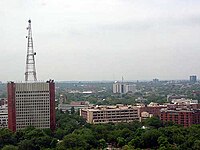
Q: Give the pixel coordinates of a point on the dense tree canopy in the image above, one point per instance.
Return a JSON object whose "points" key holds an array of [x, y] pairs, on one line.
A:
{"points": [[74, 133]]}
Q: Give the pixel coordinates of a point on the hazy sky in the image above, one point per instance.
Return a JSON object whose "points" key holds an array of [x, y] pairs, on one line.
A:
{"points": [[101, 39]]}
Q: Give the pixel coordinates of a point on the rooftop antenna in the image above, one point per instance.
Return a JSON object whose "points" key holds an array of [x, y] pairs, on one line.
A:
{"points": [[30, 74]]}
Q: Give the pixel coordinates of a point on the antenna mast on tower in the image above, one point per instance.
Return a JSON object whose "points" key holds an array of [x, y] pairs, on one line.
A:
{"points": [[30, 74]]}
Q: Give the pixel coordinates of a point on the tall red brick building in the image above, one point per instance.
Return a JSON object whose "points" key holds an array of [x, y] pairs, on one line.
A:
{"points": [[31, 104]]}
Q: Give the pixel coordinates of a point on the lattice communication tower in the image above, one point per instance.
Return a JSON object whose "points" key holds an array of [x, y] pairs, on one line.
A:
{"points": [[30, 74]]}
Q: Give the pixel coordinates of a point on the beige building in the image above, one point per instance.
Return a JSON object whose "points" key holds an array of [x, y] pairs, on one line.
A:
{"points": [[106, 114]]}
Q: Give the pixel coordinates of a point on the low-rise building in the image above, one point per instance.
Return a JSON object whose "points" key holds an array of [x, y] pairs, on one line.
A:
{"points": [[173, 96], [3, 101], [184, 101], [189, 103], [76, 105], [4, 116], [106, 114], [181, 115], [145, 115], [153, 109]]}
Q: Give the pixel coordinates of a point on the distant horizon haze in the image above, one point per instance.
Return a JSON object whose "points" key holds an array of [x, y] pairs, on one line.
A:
{"points": [[96, 81], [101, 40]]}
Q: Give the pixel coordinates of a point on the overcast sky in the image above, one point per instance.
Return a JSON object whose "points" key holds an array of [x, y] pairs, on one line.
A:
{"points": [[101, 39]]}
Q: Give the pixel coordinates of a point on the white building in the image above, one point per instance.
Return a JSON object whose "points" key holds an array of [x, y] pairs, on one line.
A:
{"points": [[129, 88], [184, 101], [119, 87], [4, 116]]}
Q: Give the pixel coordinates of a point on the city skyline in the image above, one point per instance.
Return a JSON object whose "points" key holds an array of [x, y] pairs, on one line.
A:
{"points": [[101, 40]]}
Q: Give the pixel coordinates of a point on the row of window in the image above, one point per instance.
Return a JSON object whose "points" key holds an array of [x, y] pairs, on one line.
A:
{"points": [[32, 91], [3, 120], [114, 114], [37, 126], [39, 121], [115, 117], [31, 100], [121, 111], [46, 113], [115, 120], [33, 113], [3, 117], [32, 106], [27, 105], [35, 95], [38, 111]]}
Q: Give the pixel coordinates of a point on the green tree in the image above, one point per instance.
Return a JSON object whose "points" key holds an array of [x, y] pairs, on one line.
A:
{"points": [[128, 147], [162, 141], [60, 133], [74, 141], [136, 142], [45, 142], [6, 137], [72, 110], [153, 122], [113, 135], [196, 144], [150, 138], [10, 147], [88, 136], [28, 145], [100, 131], [121, 141], [102, 144]]}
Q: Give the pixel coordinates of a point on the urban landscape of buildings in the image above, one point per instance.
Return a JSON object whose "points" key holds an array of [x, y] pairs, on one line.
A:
{"points": [[32, 103], [35, 111], [153, 46], [180, 111]]}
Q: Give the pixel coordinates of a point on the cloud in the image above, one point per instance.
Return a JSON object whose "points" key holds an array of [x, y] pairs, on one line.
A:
{"points": [[92, 40]]}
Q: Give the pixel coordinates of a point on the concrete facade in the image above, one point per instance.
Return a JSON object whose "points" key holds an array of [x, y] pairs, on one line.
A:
{"points": [[106, 114], [31, 104]]}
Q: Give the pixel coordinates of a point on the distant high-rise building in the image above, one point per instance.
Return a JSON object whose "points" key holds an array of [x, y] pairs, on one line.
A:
{"points": [[193, 78], [129, 88], [117, 87], [121, 88], [155, 80]]}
